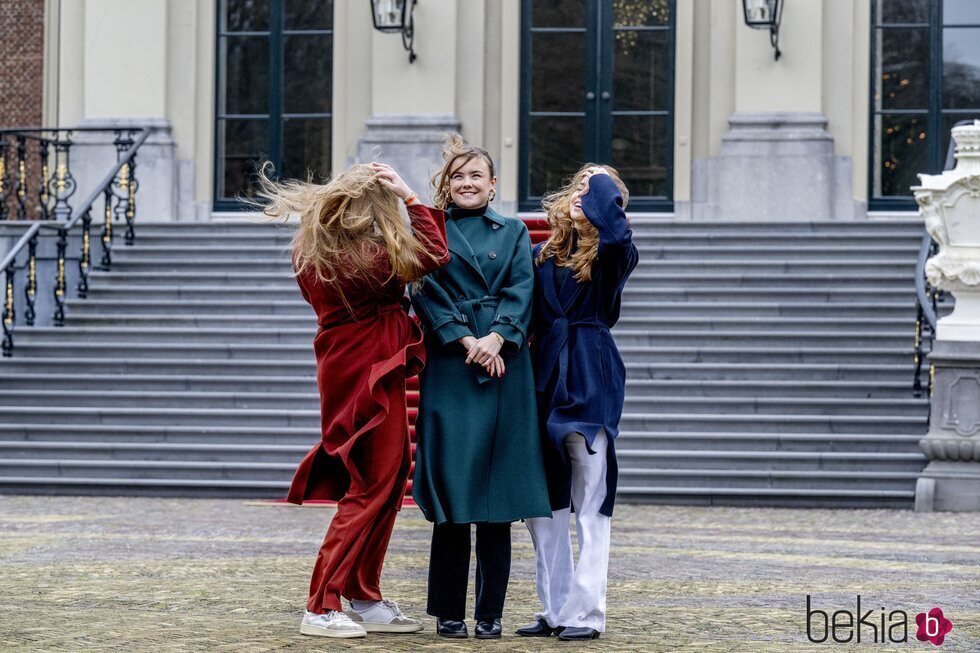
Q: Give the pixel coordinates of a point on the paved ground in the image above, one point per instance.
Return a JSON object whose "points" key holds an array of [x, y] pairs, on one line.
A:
{"points": [[200, 575]]}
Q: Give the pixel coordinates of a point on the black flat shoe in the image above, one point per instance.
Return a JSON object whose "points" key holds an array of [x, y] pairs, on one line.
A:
{"points": [[578, 634], [488, 629], [539, 628], [449, 628]]}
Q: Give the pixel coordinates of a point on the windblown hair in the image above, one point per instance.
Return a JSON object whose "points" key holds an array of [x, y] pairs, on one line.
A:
{"points": [[344, 225], [572, 244], [457, 153]]}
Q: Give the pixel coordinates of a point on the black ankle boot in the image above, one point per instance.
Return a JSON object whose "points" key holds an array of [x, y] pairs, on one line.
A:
{"points": [[488, 629], [450, 628]]}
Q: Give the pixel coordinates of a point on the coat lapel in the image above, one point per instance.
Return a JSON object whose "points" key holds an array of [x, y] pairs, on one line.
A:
{"points": [[458, 246], [546, 276]]}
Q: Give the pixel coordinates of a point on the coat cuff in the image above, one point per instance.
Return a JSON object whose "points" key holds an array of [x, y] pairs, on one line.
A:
{"points": [[512, 331], [450, 332]]}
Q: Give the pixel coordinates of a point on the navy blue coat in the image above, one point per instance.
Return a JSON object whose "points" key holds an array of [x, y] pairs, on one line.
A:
{"points": [[580, 375]]}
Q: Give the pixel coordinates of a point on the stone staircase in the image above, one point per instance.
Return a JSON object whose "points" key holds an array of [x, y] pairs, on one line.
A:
{"points": [[768, 364]]}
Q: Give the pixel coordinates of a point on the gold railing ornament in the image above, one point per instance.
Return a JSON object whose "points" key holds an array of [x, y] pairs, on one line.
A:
{"points": [[9, 303], [22, 179], [61, 175]]}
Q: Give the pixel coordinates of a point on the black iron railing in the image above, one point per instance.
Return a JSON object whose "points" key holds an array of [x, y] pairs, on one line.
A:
{"points": [[928, 298], [52, 214]]}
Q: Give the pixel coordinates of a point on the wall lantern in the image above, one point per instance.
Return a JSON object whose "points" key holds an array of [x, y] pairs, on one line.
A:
{"points": [[765, 14], [396, 16]]}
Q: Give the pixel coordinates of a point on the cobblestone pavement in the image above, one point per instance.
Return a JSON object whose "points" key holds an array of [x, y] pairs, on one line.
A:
{"points": [[124, 574]]}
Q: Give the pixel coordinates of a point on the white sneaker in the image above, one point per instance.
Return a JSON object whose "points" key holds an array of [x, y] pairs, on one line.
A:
{"points": [[384, 617], [331, 624]]}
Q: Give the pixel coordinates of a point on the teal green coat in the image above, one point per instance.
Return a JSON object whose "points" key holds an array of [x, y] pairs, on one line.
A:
{"points": [[479, 456]]}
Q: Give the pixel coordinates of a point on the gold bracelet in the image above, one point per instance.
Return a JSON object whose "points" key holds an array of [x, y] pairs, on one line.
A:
{"points": [[499, 337], [411, 199]]}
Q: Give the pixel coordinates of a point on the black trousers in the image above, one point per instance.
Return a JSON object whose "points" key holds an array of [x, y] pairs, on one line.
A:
{"points": [[449, 570]]}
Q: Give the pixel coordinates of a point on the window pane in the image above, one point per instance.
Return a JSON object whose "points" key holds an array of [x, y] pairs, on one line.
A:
{"points": [[307, 73], [306, 148], [557, 151], [557, 72], [558, 13], [902, 11], [246, 74], [961, 68], [245, 15], [949, 120], [900, 153], [961, 12], [309, 14], [903, 69], [637, 13], [640, 154], [243, 144], [640, 71]]}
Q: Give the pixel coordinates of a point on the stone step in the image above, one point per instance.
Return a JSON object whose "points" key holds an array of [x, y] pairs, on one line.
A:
{"points": [[183, 264], [870, 239], [161, 416], [721, 461], [166, 279], [214, 251], [657, 292], [902, 309], [142, 485], [769, 406], [289, 454], [152, 334], [212, 306], [772, 280], [157, 433], [762, 337], [761, 252], [33, 381], [769, 497], [722, 479], [857, 268], [276, 352], [745, 389], [747, 354], [150, 294], [247, 472], [781, 423], [747, 441]]}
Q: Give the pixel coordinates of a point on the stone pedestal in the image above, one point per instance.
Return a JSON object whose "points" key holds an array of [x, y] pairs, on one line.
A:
{"points": [[410, 143], [774, 166], [951, 481], [93, 154], [950, 207]]}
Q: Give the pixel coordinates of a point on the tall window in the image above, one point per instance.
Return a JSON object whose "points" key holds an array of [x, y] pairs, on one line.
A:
{"points": [[274, 82], [926, 77], [598, 85]]}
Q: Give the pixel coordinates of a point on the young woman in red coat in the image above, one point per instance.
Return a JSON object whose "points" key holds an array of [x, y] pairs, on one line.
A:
{"points": [[353, 255]]}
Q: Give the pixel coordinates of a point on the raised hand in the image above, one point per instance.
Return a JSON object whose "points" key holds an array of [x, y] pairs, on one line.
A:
{"points": [[390, 179]]}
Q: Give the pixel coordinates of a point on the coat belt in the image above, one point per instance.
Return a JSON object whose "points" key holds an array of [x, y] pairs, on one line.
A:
{"points": [[368, 314], [469, 307], [553, 351]]}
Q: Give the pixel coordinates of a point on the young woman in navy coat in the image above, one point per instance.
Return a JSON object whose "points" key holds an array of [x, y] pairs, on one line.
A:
{"points": [[580, 377]]}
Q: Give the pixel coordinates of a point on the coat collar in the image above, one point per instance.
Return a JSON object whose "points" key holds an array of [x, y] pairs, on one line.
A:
{"points": [[459, 246]]}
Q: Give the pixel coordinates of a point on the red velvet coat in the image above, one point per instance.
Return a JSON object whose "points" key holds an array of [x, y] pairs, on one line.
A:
{"points": [[364, 353]]}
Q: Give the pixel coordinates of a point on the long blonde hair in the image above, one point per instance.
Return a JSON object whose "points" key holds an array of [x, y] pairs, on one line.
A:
{"points": [[344, 225], [577, 254], [456, 150]]}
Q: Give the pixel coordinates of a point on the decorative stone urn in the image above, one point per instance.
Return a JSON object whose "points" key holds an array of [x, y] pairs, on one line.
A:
{"points": [[950, 206]]}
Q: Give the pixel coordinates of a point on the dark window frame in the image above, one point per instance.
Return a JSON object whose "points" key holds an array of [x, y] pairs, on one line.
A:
{"points": [[936, 138], [274, 117], [600, 35]]}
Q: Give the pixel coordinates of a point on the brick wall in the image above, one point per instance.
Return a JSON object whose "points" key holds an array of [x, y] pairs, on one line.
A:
{"points": [[21, 62]]}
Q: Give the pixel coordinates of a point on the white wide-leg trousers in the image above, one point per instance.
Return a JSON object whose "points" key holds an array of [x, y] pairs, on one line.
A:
{"points": [[575, 594]]}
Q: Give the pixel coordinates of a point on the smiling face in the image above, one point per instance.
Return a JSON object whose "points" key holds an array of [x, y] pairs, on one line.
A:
{"points": [[470, 183]]}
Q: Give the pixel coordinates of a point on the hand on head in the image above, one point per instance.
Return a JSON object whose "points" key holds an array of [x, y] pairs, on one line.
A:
{"points": [[390, 179]]}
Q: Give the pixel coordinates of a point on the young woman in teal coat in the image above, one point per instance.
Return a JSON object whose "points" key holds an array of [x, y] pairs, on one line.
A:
{"points": [[479, 457]]}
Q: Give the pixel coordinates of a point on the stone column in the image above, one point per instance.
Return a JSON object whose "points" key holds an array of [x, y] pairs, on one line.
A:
{"points": [[950, 205]]}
